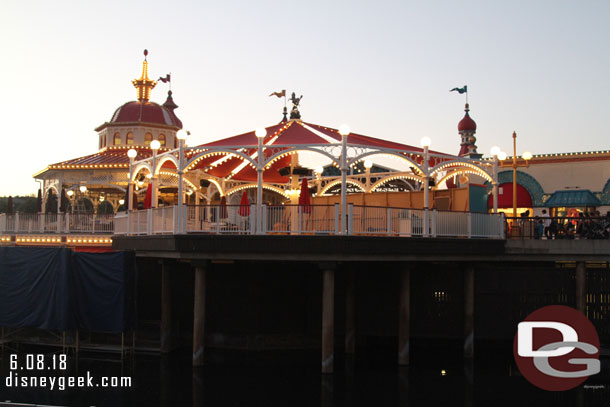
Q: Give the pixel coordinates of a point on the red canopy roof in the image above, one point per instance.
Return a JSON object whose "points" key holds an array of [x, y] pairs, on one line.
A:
{"points": [[282, 135]]}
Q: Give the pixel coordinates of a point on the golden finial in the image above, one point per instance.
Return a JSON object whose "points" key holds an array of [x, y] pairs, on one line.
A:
{"points": [[144, 85]]}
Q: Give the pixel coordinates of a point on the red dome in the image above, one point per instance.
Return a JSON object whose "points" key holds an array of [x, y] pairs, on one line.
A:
{"points": [[145, 112], [467, 124]]}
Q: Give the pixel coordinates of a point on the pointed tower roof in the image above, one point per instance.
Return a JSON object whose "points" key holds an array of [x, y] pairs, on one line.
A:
{"points": [[144, 85]]}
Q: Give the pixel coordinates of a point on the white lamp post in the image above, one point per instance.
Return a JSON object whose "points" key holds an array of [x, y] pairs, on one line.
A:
{"points": [[344, 131], [181, 136], [495, 152], [132, 155], [154, 145], [425, 143], [260, 164]]}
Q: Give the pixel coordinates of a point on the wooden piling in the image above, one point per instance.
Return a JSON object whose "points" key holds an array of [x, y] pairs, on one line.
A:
{"points": [[328, 320], [581, 287], [350, 313], [469, 312], [404, 317], [199, 315], [166, 307]]}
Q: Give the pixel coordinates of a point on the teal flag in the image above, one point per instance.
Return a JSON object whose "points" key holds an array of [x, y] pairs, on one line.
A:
{"points": [[460, 90]]}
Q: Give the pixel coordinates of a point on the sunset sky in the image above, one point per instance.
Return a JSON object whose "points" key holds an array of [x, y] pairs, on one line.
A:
{"points": [[541, 68]]}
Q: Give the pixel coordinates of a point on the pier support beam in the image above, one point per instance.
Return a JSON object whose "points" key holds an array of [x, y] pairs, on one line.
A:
{"points": [[199, 315], [404, 317], [166, 307], [328, 318], [581, 287], [469, 312], [350, 313]]}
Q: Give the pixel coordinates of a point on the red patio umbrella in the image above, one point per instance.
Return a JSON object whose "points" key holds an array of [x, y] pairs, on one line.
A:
{"points": [[148, 198], [305, 198], [223, 208], [244, 208]]}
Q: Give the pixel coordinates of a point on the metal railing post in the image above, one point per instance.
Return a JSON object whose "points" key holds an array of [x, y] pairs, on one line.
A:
{"points": [[217, 217], [469, 224], [350, 219], [16, 222], [389, 221], [336, 219], [253, 217], [149, 222], [41, 222], [264, 219], [426, 224], [434, 222], [502, 226], [175, 216], [299, 218]]}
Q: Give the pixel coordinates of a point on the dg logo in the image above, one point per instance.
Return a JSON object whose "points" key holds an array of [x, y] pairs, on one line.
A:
{"points": [[556, 348]]}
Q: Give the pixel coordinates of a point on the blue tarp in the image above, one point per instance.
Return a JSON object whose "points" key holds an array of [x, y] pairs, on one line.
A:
{"points": [[56, 288]]}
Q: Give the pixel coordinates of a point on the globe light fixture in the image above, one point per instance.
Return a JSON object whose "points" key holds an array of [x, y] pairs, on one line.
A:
{"points": [[181, 134], [425, 141], [319, 170], [121, 202], [260, 132], [83, 189], [155, 144], [502, 156], [495, 151], [344, 130], [368, 164], [70, 193], [527, 156], [132, 153]]}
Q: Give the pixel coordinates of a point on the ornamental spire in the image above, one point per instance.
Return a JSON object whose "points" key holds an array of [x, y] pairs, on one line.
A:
{"points": [[144, 85]]}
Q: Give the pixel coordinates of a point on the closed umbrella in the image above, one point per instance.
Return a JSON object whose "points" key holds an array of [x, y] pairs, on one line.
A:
{"points": [[223, 208], [304, 197], [63, 207], [9, 205], [148, 198], [39, 201], [244, 205]]}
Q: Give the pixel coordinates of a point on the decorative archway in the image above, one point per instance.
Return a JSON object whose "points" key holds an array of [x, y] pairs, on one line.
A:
{"points": [[389, 178], [528, 182], [338, 182]]}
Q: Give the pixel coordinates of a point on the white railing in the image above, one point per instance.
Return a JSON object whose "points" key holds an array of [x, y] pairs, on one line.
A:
{"points": [[31, 223], [300, 219], [163, 219], [220, 219]]}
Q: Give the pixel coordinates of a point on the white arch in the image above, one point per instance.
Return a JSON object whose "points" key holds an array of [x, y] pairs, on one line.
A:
{"points": [[478, 172], [288, 151], [163, 160], [338, 181], [206, 153], [458, 163], [382, 181], [248, 186], [394, 153], [139, 167]]}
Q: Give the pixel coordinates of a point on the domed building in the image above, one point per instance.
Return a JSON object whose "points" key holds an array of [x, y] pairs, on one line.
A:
{"points": [[99, 181]]}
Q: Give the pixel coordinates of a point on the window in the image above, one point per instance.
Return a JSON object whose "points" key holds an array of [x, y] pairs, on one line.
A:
{"points": [[117, 139], [147, 139], [130, 139], [162, 139]]}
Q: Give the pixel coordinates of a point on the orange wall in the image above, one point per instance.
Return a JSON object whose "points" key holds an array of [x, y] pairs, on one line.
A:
{"points": [[457, 199]]}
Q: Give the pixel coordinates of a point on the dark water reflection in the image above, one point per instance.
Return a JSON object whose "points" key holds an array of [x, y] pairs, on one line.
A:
{"points": [[293, 379]]}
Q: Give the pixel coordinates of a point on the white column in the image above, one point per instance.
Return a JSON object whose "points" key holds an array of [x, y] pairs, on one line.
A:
{"points": [[426, 192], [259, 186], [495, 184], [180, 192], [343, 184]]}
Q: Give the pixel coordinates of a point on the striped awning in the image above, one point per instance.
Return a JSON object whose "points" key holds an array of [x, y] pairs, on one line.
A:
{"points": [[572, 199]]}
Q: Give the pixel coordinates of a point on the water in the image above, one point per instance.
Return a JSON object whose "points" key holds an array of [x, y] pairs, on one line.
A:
{"points": [[437, 377]]}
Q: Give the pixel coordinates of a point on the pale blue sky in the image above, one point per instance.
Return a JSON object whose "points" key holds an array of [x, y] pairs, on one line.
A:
{"points": [[538, 67]]}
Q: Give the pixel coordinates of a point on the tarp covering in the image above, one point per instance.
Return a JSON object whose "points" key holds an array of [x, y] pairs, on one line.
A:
{"points": [[56, 288]]}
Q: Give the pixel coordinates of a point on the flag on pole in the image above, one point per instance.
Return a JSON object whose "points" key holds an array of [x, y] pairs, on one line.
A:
{"points": [[460, 90], [168, 78], [279, 94]]}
